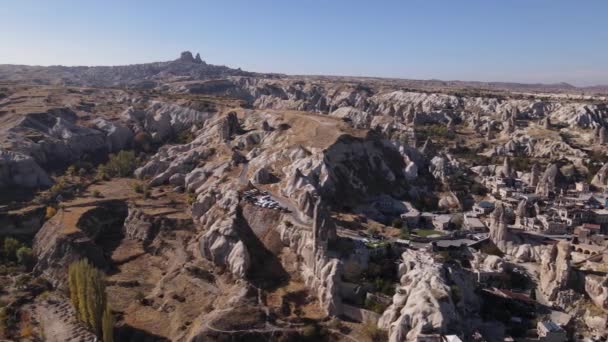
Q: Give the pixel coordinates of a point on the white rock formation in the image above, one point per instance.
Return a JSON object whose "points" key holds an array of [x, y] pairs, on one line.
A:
{"points": [[555, 270], [601, 177], [597, 289], [424, 302]]}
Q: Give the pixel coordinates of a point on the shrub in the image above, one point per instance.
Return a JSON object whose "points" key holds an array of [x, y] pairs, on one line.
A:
{"points": [[10, 247], [102, 173], [313, 333], [44, 295], [26, 330], [23, 280], [96, 193], [25, 256], [374, 333], [50, 212], [374, 306], [58, 188], [138, 187], [121, 164], [309, 331], [335, 324], [397, 223], [184, 137], [71, 170]]}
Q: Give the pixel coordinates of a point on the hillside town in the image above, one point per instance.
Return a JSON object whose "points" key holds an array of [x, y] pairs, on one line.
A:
{"points": [[183, 201]]}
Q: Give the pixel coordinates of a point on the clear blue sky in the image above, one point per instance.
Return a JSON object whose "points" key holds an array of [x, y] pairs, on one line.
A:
{"points": [[500, 40]]}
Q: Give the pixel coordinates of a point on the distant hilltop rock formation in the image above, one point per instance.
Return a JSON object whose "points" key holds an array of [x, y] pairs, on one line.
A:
{"points": [[148, 75], [187, 57]]}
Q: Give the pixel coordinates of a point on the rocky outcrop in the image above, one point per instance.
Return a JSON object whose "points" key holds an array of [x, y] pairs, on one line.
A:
{"points": [[507, 171], [351, 169], [229, 126], [597, 289], [144, 227], [21, 170], [487, 263], [548, 182], [601, 177], [72, 235], [118, 137], [535, 175], [602, 135], [424, 303], [357, 117], [321, 272], [499, 224], [164, 120], [555, 271], [264, 176], [24, 222], [222, 243]]}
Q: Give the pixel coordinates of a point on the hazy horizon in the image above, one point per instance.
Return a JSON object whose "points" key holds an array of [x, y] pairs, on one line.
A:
{"points": [[517, 41]]}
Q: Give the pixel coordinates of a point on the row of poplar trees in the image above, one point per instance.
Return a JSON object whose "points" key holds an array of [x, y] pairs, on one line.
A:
{"points": [[88, 296]]}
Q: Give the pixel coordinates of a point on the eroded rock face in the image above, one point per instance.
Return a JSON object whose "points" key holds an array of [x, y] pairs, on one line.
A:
{"points": [[555, 270], [487, 263], [229, 126], [222, 242], [351, 169], [163, 120], [601, 177], [321, 272], [597, 289], [498, 224], [118, 137], [424, 302], [58, 244], [144, 227], [20, 170], [264, 176], [548, 181]]}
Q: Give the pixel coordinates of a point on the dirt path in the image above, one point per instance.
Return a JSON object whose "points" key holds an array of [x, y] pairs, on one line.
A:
{"points": [[57, 319]]}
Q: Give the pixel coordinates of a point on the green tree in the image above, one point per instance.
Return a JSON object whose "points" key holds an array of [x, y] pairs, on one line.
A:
{"points": [[122, 164], [11, 245], [107, 325], [88, 296], [25, 256]]}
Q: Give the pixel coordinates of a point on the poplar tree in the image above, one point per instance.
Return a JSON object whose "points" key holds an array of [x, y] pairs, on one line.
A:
{"points": [[88, 296]]}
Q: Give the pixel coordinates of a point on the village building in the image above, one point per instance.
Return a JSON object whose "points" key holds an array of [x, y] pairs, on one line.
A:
{"points": [[549, 331], [483, 207], [552, 224], [600, 216], [581, 187], [474, 224], [442, 222]]}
